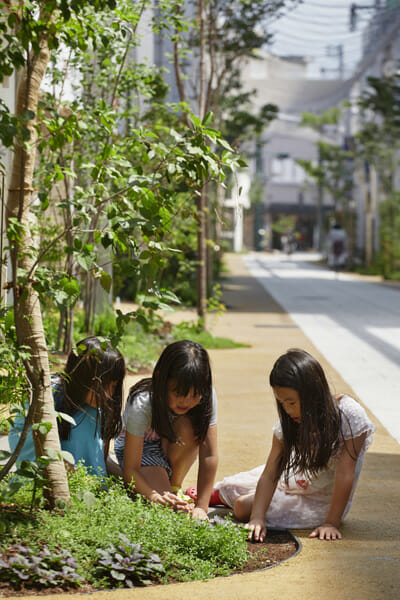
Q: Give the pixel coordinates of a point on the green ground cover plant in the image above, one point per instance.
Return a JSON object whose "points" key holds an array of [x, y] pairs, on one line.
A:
{"points": [[195, 332], [114, 541]]}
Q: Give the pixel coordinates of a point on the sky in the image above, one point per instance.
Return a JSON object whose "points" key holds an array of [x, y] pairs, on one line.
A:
{"points": [[316, 29]]}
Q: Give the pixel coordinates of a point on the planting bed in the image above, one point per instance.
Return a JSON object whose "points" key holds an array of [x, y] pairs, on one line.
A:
{"points": [[277, 547]]}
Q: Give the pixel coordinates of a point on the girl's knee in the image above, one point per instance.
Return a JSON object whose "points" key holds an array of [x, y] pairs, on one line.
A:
{"points": [[242, 507]]}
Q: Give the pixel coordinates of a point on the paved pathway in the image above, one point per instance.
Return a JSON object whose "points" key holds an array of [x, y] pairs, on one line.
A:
{"points": [[354, 323]]}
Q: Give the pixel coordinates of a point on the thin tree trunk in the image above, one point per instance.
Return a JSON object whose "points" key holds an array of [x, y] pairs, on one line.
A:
{"points": [[202, 257], [28, 317], [60, 328], [88, 303], [203, 73], [202, 199]]}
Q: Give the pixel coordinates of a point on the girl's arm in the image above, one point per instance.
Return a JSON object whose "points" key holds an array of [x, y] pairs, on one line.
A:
{"points": [[265, 490], [344, 479], [132, 465], [133, 452], [208, 462], [113, 467]]}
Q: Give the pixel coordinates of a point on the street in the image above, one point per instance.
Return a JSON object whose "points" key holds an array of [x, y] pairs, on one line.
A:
{"points": [[355, 324]]}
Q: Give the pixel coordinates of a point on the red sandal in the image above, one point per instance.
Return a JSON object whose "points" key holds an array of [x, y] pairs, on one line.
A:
{"points": [[215, 499]]}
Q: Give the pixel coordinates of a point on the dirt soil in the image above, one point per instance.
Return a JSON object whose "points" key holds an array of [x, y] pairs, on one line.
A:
{"points": [[276, 548]]}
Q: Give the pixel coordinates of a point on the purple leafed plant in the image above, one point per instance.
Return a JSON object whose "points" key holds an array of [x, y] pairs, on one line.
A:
{"points": [[128, 565], [39, 569]]}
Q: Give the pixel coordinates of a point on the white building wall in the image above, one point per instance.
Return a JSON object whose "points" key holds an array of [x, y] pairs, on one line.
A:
{"points": [[7, 95]]}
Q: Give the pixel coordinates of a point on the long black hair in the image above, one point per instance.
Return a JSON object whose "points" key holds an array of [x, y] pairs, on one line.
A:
{"points": [[308, 445], [188, 364], [91, 367]]}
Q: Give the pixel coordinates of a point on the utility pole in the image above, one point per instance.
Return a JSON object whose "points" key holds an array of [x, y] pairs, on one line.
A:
{"points": [[356, 7], [320, 207], [335, 51]]}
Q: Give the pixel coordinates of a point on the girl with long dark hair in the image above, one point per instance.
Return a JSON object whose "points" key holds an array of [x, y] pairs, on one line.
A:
{"points": [[169, 420], [315, 460]]}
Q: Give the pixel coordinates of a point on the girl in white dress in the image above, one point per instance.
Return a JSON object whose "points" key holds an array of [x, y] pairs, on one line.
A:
{"points": [[316, 456]]}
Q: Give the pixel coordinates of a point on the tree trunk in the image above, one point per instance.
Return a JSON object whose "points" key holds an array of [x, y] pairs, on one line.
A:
{"points": [[28, 316], [202, 257], [202, 199]]}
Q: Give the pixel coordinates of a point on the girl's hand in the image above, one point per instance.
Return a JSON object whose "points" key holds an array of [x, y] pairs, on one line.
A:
{"points": [[257, 530], [199, 513], [170, 499], [326, 532], [158, 498], [176, 502]]}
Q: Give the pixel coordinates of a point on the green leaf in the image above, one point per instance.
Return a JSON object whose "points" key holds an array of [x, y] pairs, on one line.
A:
{"points": [[53, 454], [106, 281], [68, 457], [4, 454], [89, 499], [85, 261], [165, 217], [43, 427], [195, 120], [225, 144], [66, 417], [118, 575], [208, 119]]}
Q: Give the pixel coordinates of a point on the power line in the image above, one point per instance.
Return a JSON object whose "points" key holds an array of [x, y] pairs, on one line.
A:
{"points": [[312, 21], [325, 26], [314, 39], [321, 35], [328, 5]]}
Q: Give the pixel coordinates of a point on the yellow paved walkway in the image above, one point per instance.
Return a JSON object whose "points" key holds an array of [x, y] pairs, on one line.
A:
{"points": [[365, 565]]}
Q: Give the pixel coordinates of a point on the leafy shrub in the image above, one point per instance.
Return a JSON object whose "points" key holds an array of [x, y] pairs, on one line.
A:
{"points": [[195, 332], [189, 550], [14, 387], [127, 564], [42, 569], [105, 324], [51, 323], [140, 349]]}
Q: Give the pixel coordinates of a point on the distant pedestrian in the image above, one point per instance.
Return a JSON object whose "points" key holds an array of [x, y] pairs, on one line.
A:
{"points": [[288, 243], [315, 461], [170, 420], [338, 251]]}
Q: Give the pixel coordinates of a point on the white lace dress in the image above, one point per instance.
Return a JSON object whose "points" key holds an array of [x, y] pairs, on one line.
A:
{"points": [[304, 503]]}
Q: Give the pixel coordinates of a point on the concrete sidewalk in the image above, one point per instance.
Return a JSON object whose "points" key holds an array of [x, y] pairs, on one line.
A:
{"points": [[365, 564]]}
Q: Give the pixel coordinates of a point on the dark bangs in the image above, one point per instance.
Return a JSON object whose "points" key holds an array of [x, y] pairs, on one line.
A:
{"points": [[187, 364], [190, 378]]}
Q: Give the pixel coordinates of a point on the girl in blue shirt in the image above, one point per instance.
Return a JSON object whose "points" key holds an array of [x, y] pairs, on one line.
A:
{"points": [[90, 391]]}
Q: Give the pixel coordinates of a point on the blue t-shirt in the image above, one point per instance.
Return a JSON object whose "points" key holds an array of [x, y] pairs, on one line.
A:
{"points": [[84, 441]]}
